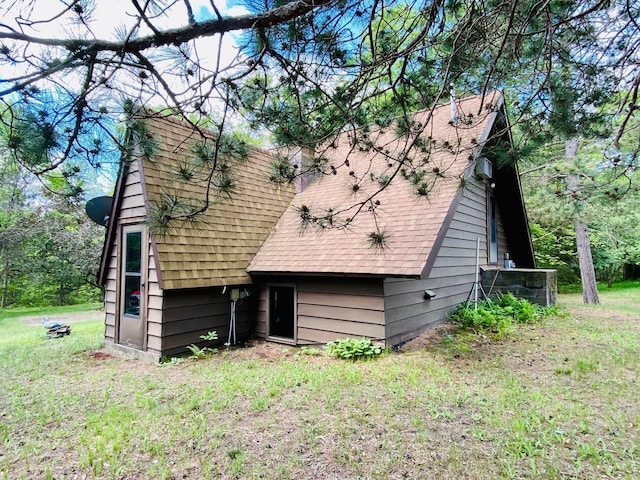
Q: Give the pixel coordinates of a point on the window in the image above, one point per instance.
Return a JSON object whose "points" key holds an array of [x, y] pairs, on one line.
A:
{"points": [[132, 273]]}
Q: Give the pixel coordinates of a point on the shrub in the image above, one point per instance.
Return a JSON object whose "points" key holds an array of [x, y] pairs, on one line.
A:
{"points": [[198, 353], [354, 349], [497, 316]]}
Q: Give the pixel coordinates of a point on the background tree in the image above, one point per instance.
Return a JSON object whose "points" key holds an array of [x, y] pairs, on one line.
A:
{"points": [[49, 250], [62, 256], [50, 257], [13, 187], [607, 202]]}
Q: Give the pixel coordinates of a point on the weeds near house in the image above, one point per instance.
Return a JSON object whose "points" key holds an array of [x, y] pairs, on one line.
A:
{"points": [[498, 316], [354, 349], [171, 361], [199, 353], [309, 351]]}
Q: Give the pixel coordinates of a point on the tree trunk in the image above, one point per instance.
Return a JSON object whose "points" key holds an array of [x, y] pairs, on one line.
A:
{"points": [[585, 260], [61, 293], [5, 280], [587, 272]]}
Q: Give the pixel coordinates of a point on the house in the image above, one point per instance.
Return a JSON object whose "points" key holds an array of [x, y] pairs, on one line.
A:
{"points": [[162, 292], [405, 256]]}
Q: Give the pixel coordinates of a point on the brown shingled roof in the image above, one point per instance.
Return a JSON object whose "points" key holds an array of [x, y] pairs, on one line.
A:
{"points": [[216, 249], [412, 222]]}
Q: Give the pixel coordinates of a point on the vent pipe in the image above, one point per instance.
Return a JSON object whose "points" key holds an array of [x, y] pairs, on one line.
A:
{"points": [[454, 105]]}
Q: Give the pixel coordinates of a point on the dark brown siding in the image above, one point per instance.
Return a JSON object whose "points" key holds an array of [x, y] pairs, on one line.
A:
{"points": [[332, 308], [191, 313]]}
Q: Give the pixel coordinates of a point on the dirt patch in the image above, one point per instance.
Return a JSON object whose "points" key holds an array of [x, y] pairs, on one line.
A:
{"points": [[429, 338], [270, 351], [261, 349], [100, 355]]}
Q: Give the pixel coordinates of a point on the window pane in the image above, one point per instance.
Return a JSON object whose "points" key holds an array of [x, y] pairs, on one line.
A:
{"points": [[133, 254], [132, 295]]}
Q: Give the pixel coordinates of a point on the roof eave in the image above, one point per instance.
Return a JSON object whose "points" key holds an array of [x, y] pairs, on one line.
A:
{"points": [[112, 223], [275, 273]]}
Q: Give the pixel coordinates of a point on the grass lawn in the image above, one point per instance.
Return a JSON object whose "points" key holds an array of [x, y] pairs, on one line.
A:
{"points": [[558, 399]]}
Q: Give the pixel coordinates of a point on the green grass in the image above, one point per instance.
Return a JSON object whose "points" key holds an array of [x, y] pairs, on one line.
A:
{"points": [[557, 399], [602, 286], [6, 313]]}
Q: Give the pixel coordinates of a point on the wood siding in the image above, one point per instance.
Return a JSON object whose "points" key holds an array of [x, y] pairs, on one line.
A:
{"points": [[132, 211], [331, 308], [153, 305], [191, 313], [452, 276], [174, 319]]}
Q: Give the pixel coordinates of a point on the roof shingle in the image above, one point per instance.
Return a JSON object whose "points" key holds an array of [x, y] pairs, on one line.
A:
{"points": [[410, 221], [216, 249]]}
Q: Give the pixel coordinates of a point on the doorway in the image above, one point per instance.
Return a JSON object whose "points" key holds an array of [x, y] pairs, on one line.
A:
{"points": [[131, 325], [282, 311]]}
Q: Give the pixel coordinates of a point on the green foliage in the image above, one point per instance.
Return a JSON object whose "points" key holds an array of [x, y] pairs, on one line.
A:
{"points": [[213, 162], [171, 361], [199, 353], [210, 336], [233, 146], [49, 256], [309, 351], [170, 209], [282, 170], [497, 316], [139, 136], [354, 349], [606, 203], [378, 240], [556, 248], [615, 234], [630, 285]]}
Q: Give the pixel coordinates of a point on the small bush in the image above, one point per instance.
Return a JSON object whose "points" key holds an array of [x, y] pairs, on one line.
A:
{"points": [[310, 351], [497, 316], [198, 353], [354, 349]]}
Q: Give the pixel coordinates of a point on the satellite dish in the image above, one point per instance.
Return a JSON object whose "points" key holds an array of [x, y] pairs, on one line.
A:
{"points": [[98, 209]]}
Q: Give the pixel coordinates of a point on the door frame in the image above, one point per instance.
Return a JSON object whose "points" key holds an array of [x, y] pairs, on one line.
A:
{"points": [[290, 340], [121, 279]]}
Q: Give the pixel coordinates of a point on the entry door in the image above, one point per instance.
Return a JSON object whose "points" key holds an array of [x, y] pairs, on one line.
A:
{"points": [[282, 311], [131, 324]]}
